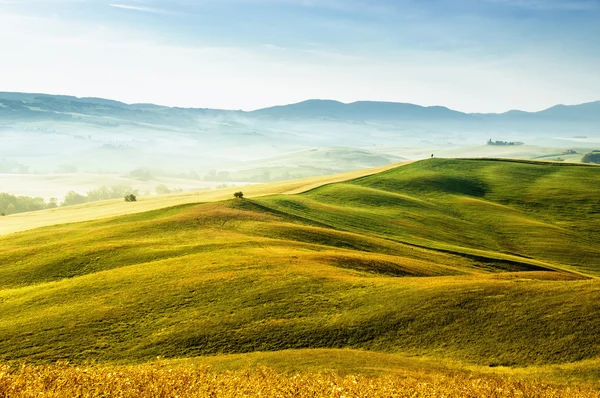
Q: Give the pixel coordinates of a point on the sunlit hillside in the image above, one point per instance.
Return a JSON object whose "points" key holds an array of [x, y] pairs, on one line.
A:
{"points": [[472, 265], [96, 210]]}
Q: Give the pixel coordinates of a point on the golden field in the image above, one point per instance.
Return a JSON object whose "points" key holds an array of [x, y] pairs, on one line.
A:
{"points": [[161, 380]]}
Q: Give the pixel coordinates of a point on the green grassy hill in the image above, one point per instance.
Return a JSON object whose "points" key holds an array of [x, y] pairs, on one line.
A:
{"points": [[499, 209], [111, 208], [482, 262]]}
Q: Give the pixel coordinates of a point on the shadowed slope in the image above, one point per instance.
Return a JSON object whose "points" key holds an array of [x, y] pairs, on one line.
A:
{"points": [[531, 210], [452, 268]]}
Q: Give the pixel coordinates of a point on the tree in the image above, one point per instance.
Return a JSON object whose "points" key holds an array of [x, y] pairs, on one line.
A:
{"points": [[102, 193], [593, 157], [73, 198], [120, 190], [53, 203], [211, 175], [239, 195], [10, 204], [130, 198], [162, 189]]}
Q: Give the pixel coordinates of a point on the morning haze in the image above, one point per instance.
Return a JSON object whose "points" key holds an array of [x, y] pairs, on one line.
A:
{"points": [[55, 144], [299, 198]]}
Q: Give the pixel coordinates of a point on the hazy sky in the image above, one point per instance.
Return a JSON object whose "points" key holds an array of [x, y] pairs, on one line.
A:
{"points": [[470, 55]]}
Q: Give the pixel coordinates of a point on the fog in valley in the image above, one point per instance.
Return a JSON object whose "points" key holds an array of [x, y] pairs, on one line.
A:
{"points": [[54, 146]]}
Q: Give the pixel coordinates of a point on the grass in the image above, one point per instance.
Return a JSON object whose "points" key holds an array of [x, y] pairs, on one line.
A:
{"points": [[327, 372], [161, 380], [57, 185], [552, 218], [476, 265], [112, 208]]}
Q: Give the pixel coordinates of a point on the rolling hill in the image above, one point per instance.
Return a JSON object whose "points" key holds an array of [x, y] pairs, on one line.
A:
{"points": [[474, 262], [44, 134], [110, 208]]}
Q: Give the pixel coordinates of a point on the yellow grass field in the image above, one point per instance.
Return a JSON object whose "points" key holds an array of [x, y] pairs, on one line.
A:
{"points": [[113, 208], [162, 380]]}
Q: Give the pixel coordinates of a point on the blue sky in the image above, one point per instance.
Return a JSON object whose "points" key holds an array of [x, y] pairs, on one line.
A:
{"points": [[470, 55]]}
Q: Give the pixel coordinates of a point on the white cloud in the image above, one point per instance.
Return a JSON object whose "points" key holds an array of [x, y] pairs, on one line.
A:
{"points": [[78, 58], [273, 47], [141, 8]]}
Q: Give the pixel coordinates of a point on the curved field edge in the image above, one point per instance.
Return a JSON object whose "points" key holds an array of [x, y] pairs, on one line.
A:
{"points": [[199, 306], [542, 211], [113, 208], [307, 271]]}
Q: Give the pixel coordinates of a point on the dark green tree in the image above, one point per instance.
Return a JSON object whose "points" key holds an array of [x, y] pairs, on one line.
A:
{"points": [[592, 157]]}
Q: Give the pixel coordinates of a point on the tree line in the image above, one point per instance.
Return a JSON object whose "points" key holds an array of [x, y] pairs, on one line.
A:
{"points": [[12, 204], [592, 157]]}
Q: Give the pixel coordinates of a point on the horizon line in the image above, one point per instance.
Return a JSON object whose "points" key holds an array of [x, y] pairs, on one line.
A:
{"points": [[289, 104]]}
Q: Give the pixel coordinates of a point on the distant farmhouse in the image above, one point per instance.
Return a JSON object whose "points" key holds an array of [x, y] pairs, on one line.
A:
{"points": [[504, 143]]}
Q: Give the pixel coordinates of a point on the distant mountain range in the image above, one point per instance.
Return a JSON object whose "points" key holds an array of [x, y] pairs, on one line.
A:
{"points": [[40, 105], [45, 133], [362, 110]]}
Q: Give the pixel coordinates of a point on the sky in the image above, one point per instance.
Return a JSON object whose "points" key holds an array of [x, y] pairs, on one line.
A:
{"points": [[468, 55]]}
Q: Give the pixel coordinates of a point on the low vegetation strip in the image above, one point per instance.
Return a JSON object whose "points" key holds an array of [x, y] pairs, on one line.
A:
{"points": [[159, 380], [35, 217]]}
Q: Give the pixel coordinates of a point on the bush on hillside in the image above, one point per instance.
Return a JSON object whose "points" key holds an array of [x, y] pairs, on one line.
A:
{"points": [[239, 195], [130, 198]]}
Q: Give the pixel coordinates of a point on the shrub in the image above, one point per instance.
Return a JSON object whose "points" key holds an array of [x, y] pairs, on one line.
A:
{"points": [[239, 195], [130, 198]]}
